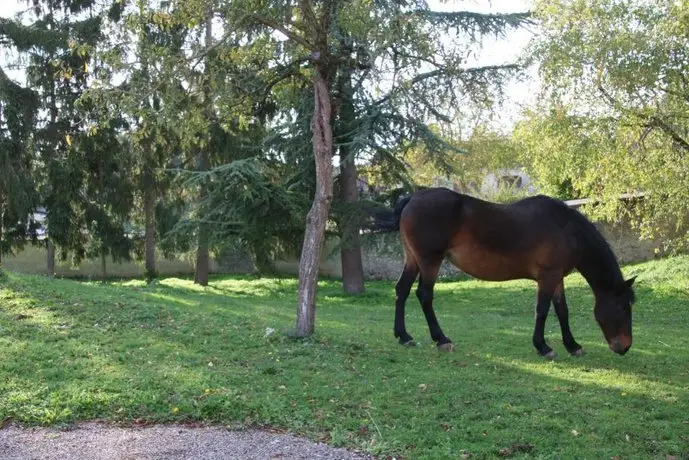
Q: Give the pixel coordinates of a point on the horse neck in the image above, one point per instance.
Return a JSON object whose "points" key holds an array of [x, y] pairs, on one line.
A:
{"points": [[601, 271]]}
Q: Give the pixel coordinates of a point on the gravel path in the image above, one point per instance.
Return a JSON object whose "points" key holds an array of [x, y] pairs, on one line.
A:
{"points": [[97, 441]]}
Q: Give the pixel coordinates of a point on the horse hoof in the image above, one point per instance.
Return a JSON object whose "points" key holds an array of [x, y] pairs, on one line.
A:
{"points": [[550, 356], [449, 346], [578, 352], [409, 343]]}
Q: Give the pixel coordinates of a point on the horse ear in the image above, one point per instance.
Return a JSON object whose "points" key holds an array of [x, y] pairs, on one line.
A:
{"points": [[625, 286]]}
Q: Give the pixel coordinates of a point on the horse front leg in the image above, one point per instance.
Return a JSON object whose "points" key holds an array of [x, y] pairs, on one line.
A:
{"points": [[402, 290], [560, 304], [545, 295]]}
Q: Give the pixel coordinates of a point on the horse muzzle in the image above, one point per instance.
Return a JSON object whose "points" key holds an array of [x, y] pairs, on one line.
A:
{"points": [[620, 344]]}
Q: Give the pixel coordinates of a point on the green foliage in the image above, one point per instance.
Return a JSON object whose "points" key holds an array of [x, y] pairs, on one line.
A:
{"points": [[614, 117], [423, 52], [464, 163], [78, 168], [174, 352], [134, 95], [249, 206], [18, 198]]}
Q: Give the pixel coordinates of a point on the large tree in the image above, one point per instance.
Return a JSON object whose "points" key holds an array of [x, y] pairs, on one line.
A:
{"points": [[56, 40], [18, 197], [350, 49], [614, 110]]}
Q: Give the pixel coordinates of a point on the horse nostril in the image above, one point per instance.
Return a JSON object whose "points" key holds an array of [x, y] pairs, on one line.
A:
{"points": [[620, 344]]}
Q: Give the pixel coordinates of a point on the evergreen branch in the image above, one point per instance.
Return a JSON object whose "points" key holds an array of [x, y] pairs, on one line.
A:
{"points": [[417, 79], [282, 29], [469, 21], [284, 72], [206, 51], [24, 38], [467, 76]]}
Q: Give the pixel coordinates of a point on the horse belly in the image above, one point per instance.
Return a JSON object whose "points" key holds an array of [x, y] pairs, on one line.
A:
{"points": [[487, 265]]}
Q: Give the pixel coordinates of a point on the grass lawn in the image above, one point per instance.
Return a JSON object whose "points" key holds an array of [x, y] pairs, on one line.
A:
{"points": [[174, 352]]}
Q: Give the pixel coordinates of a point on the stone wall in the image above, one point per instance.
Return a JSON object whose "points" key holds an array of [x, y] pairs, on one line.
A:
{"points": [[381, 253]]}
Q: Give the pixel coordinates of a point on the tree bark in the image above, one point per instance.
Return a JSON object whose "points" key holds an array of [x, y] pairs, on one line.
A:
{"points": [[50, 256], [50, 247], [317, 217], [202, 253], [350, 252], [150, 235], [148, 179], [2, 225], [103, 267]]}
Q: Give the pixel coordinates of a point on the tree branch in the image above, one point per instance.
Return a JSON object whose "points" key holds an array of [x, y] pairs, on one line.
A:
{"points": [[655, 121], [471, 22], [282, 29]]}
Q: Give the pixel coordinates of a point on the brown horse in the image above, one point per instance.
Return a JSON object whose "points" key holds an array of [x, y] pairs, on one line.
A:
{"points": [[538, 238]]}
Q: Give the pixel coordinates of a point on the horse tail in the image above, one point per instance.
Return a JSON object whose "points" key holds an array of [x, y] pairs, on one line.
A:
{"points": [[387, 219]]}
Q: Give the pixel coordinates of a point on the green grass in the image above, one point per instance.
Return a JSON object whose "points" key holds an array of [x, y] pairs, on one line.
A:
{"points": [[174, 352]]}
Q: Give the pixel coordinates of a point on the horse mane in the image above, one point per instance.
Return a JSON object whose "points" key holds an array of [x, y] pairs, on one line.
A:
{"points": [[598, 263]]}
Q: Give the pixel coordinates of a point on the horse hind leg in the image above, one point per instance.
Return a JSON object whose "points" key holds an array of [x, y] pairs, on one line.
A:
{"points": [[545, 296], [402, 289], [560, 304], [424, 292]]}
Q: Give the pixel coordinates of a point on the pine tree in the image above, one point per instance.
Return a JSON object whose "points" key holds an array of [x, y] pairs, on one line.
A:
{"points": [[18, 197]]}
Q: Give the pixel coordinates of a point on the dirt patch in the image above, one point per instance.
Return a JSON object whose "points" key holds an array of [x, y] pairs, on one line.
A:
{"points": [[99, 441]]}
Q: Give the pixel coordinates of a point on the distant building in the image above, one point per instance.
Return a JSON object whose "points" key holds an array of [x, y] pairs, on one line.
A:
{"points": [[39, 217], [515, 179]]}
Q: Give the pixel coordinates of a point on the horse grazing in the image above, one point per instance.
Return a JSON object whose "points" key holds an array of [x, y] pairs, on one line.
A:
{"points": [[537, 238]]}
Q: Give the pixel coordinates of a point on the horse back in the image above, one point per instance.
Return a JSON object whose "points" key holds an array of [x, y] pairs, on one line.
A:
{"points": [[526, 239]]}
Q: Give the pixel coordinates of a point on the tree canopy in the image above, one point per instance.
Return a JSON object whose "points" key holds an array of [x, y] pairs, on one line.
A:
{"points": [[613, 116]]}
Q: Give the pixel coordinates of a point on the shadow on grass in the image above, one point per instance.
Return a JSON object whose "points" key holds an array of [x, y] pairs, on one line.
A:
{"points": [[172, 353]]}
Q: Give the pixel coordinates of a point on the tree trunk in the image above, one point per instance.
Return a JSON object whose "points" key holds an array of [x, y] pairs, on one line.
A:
{"points": [[150, 236], [202, 255], [148, 180], [2, 226], [318, 214], [50, 247], [103, 267], [350, 252], [50, 257]]}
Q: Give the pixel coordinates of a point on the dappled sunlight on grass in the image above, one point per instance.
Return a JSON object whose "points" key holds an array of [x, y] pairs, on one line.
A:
{"points": [[171, 298], [610, 378], [172, 351]]}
